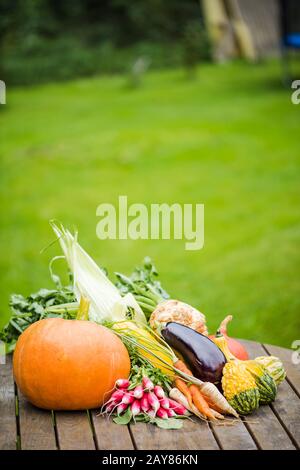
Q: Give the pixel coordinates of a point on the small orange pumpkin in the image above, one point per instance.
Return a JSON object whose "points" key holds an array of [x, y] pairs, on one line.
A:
{"points": [[68, 364]]}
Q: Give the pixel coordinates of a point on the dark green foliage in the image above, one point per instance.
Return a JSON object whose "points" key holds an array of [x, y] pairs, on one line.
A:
{"points": [[143, 284], [196, 46], [44, 40]]}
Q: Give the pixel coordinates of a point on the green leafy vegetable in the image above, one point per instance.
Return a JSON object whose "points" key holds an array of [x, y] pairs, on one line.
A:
{"points": [[141, 368], [124, 418], [27, 310], [143, 284], [170, 423]]}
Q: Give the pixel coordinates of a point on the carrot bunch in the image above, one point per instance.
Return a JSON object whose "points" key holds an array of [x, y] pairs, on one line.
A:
{"points": [[198, 403]]}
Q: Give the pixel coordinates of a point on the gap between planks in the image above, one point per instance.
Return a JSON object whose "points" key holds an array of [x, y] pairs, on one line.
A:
{"points": [[74, 430], [91, 423], [17, 416], [132, 437], [109, 435], [37, 430]]}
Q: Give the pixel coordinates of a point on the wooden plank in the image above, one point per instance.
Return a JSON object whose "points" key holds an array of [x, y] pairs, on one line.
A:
{"points": [[267, 430], [254, 349], [74, 430], [263, 424], [110, 436], [287, 408], [292, 369], [193, 435], [234, 436], [37, 428], [7, 407], [287, 403]]}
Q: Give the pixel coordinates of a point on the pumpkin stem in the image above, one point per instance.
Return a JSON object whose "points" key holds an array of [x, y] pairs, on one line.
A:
{"points": [[83, 311], [224, 323]]}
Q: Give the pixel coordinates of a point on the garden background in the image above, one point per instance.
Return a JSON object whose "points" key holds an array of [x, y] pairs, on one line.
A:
{"points": [[84, 124]]}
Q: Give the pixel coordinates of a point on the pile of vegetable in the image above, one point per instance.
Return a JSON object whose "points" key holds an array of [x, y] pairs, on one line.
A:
{"points": [[130, 349], [143, 401]]}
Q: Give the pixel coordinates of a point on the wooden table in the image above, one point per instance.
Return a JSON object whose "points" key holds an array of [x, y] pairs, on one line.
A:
{"points": [[277, 426]]}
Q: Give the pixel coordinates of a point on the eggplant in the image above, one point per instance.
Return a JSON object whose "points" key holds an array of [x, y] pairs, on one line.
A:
{"points": [[200, 354]]}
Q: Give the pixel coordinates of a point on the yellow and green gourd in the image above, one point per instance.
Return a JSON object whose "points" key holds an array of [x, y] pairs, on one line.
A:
{"points": [[274, 367], [264, 383], [238, 384], [239, 387]]}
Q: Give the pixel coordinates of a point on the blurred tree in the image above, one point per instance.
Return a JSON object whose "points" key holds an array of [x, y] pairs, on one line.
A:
{"points": [[196, 46], [59, 39]]}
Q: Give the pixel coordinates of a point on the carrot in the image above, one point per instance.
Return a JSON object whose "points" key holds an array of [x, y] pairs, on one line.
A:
{"points": [[197, 413], [182, 386], [208, 393], [200, 402], [212, 405], [216, 414], [215, 410], [180, 365], [218, 402], [180, 398]]}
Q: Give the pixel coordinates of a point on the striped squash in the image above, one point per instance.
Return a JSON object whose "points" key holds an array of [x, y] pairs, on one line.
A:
{"points": [[240, 388], [274, 367], [264, 381]]}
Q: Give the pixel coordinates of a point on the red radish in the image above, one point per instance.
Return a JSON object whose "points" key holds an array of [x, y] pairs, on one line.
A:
{"points": [[161, 413], [235, 347], [151, 413], [110, 406], [147, 384], [117, 396], [121, 408], [153, 401], [159, 391], [164, 403], [171, 413], [145, 403], [138, 392], [122, 383], [128, 398], [135, 408], [177, 407]]}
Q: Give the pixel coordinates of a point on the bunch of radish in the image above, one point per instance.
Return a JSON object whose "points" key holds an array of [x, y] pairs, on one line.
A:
{"points": [[144, 399]]}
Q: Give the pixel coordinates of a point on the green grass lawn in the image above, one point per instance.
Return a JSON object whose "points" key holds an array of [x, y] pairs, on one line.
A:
{"points": [[228, 139]]}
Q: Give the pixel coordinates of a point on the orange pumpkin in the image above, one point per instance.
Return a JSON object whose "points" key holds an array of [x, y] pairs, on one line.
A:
{"points": [[68, 364]]}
